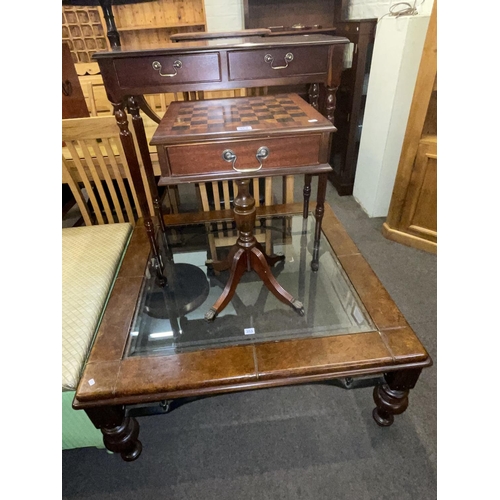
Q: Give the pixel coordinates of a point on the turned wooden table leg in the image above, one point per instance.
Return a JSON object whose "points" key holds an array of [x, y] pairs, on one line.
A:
{"points": [[142, 141], [320, 211], [247, 254], [112, 32], [391, 398], [307, 194], [120, 433], [314, 95], [133, 163]]}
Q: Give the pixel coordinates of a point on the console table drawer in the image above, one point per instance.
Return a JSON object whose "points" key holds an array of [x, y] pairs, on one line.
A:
{"points": [[202, 158], [167, 70], [277, 62]]}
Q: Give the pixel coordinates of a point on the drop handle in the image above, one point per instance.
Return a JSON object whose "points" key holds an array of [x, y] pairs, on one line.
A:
{"points": [[268, 58], [230, 156], [157, 66]]}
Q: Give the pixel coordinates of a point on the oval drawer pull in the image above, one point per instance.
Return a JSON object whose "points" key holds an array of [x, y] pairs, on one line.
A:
{"points": [[157, 66], [268, 58], [230, 156]]}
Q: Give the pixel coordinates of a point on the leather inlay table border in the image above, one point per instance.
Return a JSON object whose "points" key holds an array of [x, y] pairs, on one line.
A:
{"points": [[391, 356]]}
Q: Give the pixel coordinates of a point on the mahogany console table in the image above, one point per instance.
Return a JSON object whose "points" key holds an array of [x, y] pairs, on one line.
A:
{"points": [[218, 64]]}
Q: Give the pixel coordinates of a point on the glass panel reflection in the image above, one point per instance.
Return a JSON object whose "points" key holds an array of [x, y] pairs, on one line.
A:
{"points": [[170, 320]]}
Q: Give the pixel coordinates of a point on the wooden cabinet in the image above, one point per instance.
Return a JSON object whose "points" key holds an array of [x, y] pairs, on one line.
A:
{"points": [[351, 100], [328, 16], [412, 218]]}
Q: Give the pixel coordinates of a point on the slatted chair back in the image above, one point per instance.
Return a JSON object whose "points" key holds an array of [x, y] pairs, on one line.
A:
{"points": [[95, 168]]}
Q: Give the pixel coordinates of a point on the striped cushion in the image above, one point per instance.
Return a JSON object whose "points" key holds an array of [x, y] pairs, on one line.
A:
{"points": [[90, 259]]}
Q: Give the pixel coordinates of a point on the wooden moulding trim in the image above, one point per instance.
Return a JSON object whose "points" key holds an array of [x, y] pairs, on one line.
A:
{"points": [[98, 380], [339, 240], [221, 137], [226, 175], [222, 215], [409, 239], [114, 330], [423, 231], [377, 301], [317, 355], [135, 261], [260, 384], [158, 27], [189, 370], [142, 375], [404, 345], [205, 45]]}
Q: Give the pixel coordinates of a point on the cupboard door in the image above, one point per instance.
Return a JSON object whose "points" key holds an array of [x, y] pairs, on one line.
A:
{"points": [[419, 215]]}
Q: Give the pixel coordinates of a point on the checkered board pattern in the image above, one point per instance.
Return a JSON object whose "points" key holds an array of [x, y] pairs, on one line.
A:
{"points": [[240, 114]]}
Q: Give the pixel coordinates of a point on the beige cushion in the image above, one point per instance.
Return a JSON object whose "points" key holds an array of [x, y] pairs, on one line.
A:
{"points": [[90, 256]]}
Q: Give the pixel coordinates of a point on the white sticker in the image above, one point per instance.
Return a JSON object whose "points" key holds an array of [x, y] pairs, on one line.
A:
{"points": [[358, 315], [246, 127], [312, 121], [249, 331], [91, 381]]}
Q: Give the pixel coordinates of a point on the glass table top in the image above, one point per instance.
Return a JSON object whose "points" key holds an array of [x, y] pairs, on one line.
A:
{"points": [[171, 320]]}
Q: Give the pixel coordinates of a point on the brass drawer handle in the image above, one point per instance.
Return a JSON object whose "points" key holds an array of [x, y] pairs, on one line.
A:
{"points": [[230, 156], [177, 65], [268, 58]]}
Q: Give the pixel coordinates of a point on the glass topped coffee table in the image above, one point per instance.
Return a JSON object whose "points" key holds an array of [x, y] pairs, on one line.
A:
{"points": [[154, 350]]}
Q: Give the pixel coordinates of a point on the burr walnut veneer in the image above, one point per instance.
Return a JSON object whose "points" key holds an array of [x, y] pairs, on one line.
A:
{"points": [[363, 341]]}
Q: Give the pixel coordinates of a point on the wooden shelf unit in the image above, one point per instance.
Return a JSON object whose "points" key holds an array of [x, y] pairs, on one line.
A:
{"points": [[148, 27], [148, 23], [412, 217], [141, 24], [83, 30]]}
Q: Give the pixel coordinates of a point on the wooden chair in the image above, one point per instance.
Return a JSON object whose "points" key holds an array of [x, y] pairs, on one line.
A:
{"points": [[94, 166]]}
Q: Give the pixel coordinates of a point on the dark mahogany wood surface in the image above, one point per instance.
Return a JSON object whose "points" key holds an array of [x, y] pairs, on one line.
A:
{"points": [[186, 37], [193, 135], [126, 50], [186, 121], [222, 63], [116, 380]]}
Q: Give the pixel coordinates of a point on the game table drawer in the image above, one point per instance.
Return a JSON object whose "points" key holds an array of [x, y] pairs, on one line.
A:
{"points": [[167, 70], [243, 156], [277, 62]]}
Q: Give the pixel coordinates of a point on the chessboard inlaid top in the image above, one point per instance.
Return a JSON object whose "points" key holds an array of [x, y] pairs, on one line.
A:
{"points": [[241, 115]]}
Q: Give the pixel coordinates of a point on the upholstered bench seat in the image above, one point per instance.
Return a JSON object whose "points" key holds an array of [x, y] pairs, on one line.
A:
{"points": [[91, 256]]}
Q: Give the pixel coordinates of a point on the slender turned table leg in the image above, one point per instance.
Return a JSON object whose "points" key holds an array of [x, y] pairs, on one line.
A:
{"points": [[307, 194], [247, 254], [320, 211], [120, 433], [314, 95], [133, 163], [140, 133], [112, 32], [391, 398]]}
